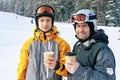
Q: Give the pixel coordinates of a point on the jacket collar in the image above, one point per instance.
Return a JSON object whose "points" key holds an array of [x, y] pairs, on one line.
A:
{"points": [[87, 43], [39, 35]]}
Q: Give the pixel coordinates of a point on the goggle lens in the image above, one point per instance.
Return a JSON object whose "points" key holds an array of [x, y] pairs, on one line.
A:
{"points": [[45, 8], [79, 18]]}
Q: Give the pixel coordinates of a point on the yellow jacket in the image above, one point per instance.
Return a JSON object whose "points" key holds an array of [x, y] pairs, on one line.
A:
{"points": [[31, 65]]}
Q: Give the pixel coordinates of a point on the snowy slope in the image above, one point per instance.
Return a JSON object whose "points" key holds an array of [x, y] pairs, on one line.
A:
{"points": [[14, 30]]}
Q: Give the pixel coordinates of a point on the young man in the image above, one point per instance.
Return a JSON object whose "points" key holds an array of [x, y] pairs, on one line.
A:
{"points": [[33, 65], [94, 59]]}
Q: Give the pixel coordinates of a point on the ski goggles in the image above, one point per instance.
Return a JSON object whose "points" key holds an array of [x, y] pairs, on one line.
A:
{"points": [[80, 18], [45, 9]]}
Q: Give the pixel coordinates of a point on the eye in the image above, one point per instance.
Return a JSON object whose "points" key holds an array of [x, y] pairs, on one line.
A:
{"points": [[41, 20], [85, 25], [48, 20], [77, 25]]}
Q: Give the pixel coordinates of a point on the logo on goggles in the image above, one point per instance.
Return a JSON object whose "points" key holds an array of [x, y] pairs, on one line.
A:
{"points": [[82, 18]]}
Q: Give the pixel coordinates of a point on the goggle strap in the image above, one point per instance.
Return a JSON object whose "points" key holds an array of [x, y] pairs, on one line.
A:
{"points": [[45, 13], [92, 17]]}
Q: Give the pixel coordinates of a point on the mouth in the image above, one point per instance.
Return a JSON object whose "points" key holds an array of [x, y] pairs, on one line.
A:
{"points": [[46, 27]]}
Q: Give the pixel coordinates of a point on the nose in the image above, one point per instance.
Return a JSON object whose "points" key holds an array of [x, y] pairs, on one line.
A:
{"points": [[45, 23]]}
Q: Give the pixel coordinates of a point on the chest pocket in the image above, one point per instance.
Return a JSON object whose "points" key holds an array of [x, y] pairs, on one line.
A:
{"points": [[86, 57]]}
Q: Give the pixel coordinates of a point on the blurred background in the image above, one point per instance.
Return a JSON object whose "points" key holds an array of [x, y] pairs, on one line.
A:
{"points": [[108, 11]]}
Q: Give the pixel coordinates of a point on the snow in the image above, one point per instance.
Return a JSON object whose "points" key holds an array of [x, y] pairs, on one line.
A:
{"points": [[15, 29]]}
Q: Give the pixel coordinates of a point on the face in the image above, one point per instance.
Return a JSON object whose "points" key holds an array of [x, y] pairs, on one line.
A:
{"points": [[45, 23], [82, 31]]}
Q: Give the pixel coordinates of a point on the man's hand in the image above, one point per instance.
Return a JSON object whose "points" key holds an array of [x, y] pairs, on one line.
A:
{"points": [[71, 66]]}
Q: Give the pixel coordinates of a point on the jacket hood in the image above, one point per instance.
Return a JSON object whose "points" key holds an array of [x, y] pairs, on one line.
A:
{"points": [[45, 36], [100, 36]]}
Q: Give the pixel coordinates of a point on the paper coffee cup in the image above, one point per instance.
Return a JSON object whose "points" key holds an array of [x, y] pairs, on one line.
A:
{"points": [[48, 54], [70, 56]]}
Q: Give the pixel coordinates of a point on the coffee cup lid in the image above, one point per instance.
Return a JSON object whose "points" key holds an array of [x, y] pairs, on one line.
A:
{"points": [[70, 54]]}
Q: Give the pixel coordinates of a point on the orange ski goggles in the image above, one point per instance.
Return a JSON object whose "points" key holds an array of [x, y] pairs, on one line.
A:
{"points": [[80, 18], [45, 8]]}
